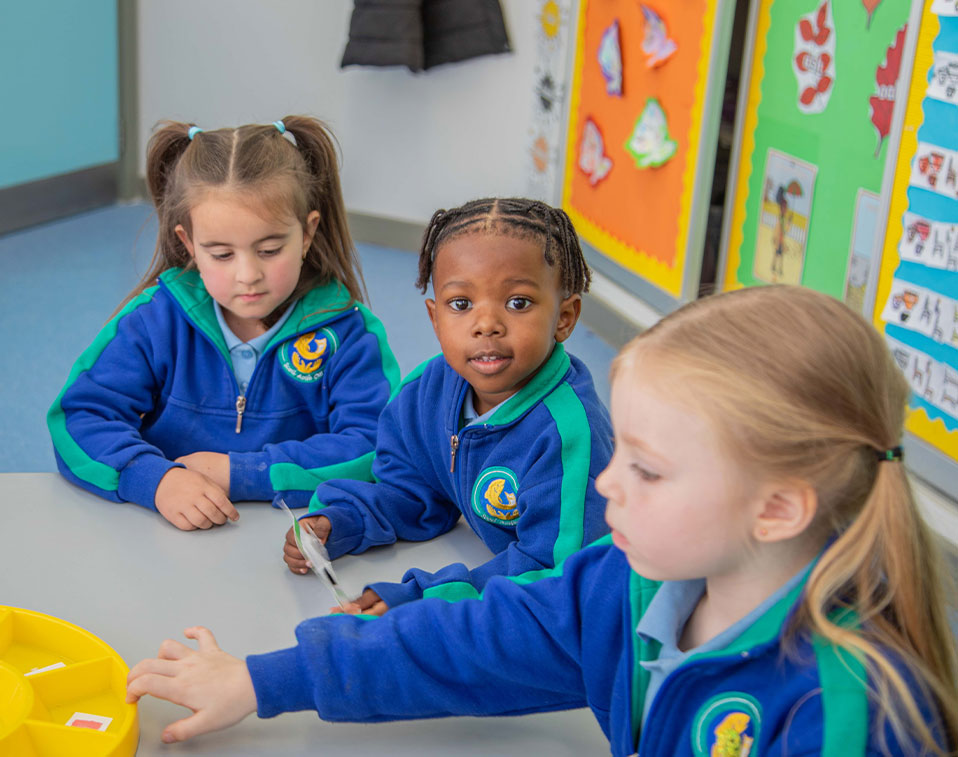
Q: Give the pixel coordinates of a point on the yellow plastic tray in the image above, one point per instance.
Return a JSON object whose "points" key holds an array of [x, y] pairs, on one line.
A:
{"points": [[34, 709]]}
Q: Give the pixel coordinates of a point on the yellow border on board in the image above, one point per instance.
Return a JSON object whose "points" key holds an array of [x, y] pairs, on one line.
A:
{"points": [[917, 421], [734, 255], [653, 270]]}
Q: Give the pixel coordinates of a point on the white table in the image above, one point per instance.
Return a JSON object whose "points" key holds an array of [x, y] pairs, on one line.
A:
{"points": [[128, 576]]}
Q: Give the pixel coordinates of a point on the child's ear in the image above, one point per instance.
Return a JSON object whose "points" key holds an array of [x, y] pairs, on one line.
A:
{"points": [[431, 309], [184, 238], [309, 230], [569, 310], [785, 511]]}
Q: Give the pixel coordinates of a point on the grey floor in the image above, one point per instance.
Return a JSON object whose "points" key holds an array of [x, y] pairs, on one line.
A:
{"points": [[61, 282]]}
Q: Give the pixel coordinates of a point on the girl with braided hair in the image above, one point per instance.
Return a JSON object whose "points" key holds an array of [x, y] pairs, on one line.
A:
{"points": [[504, 428], [244, 365]]}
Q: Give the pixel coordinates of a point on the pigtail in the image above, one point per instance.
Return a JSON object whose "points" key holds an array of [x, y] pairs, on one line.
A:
{"points": [[332, 253], [164, 151], [885, 564]]}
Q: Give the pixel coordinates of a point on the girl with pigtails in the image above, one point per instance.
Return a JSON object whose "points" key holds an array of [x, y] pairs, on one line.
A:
{"points": [[768, 586], [244, 365]]}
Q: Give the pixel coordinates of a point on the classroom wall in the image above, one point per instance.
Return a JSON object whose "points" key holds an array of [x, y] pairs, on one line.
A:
{"points": [[59, 88], [411, 142]]}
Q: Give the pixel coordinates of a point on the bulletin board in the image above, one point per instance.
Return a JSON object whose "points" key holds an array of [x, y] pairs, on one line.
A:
{"points": [[916, 304], [645, 103], [815, 113]]}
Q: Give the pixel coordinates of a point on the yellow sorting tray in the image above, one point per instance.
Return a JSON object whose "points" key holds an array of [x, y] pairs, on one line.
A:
{"points": [[89, 678]]}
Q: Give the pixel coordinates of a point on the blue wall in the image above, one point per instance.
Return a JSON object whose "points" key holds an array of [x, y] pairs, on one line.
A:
{"points": [[58, 87]]}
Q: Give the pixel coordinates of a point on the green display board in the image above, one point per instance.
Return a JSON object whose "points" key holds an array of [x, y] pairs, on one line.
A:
{"points": [[815, 111]]}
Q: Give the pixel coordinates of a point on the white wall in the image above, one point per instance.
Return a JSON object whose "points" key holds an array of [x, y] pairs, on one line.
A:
{"points": [[411, 142]]}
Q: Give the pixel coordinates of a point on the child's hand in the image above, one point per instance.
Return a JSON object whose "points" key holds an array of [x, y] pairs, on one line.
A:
{"points": [[320, 525], [368, 603], [214, 465], [189, 500], [212, 683]]}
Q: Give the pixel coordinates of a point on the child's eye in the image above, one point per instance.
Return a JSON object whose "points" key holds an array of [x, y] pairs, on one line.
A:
{"points": [[221, 255], [459, 304], [269, 253], [645, 474], [518, 303]]}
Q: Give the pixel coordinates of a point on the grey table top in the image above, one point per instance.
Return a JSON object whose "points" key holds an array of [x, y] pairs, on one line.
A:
{"points": [[132, 579]]}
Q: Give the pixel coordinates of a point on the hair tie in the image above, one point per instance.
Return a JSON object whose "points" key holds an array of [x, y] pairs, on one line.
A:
{"points": [[889, 455], [280, 126], [194, 130]]}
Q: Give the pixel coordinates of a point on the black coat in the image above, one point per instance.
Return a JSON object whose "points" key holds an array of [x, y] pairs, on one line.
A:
{"points": [[420, 34]]}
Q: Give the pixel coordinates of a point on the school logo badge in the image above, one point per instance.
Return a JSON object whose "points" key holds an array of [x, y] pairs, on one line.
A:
{"points": [[305, 357], [495, 496], [727, 726]]}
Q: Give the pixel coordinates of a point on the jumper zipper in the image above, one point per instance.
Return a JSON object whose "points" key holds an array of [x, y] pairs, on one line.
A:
{"points": [[453, 446], [240, 409]]}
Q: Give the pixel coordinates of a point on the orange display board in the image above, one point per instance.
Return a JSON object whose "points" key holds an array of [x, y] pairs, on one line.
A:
{"points": [[637, 209]]}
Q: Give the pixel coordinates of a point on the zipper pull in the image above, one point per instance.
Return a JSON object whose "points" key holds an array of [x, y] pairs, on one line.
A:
{"points": [[240, 409], [453, 446]]}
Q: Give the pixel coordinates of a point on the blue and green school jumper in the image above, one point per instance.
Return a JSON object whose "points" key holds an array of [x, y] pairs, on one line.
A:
{"points": [[566, 638], [158, 382], [524, 478]]}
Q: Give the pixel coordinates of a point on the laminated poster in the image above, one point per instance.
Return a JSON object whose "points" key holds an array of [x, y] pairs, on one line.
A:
{"points": [[917, 299]]}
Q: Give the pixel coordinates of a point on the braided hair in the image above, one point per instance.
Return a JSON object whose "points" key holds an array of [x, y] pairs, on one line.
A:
{"points": [[516, 217]]}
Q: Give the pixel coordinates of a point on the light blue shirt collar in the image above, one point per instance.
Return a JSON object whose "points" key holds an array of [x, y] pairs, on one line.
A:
{"points": [[245, 355], [669, 611]]}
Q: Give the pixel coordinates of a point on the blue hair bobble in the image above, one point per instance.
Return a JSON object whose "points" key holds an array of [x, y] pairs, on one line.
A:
{"points": [[194, 130], [280, 126]]}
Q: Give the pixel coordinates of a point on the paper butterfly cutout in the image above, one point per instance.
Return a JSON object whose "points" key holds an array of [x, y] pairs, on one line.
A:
{"points": [[650, 143], [610, 59], [592, 158], [656, 45]]}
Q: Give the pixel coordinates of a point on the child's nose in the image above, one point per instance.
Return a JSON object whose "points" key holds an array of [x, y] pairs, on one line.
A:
{"points": [[487, 324], [248, 270]]}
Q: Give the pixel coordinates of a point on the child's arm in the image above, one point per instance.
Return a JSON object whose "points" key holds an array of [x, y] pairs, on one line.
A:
{"points": [[358, 382], [519, 649], [560, 512], [95, 421], [406, 501]]}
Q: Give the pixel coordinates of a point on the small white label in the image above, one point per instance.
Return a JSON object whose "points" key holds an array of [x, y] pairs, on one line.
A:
{"points": [[54, 666]]}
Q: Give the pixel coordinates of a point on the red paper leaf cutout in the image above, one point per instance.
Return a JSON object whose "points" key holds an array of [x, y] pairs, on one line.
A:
{"points": [[886, 77]]}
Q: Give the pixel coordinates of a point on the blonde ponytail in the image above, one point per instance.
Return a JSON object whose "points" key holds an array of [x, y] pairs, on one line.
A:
{"points": [[804, 389]]}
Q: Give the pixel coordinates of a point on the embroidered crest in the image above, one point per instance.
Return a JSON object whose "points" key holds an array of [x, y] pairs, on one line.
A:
{"points": [[495, 496], [305, 357], [727, 726]]}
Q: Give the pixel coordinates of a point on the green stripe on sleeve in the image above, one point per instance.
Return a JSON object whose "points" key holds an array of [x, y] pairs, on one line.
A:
{"points": [[576, 437], [288, 476], [79, 462], [390, 367]]}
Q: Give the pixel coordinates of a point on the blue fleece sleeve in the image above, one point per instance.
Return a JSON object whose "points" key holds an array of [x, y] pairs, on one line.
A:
{"points": [[95, 421], [560, 510], [359, 381], [516, 649], [402, 503]]}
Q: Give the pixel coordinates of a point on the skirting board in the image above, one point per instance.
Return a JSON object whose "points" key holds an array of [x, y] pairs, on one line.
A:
{"points": [[45, 200]]}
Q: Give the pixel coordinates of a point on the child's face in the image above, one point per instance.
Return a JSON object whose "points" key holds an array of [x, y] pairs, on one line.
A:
{"points": [[678, 506], [497, 312], [249, 261]]}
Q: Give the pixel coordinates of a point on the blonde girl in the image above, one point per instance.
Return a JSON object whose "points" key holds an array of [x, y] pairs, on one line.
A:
{"points": [[244, 365], [768, 586]]}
